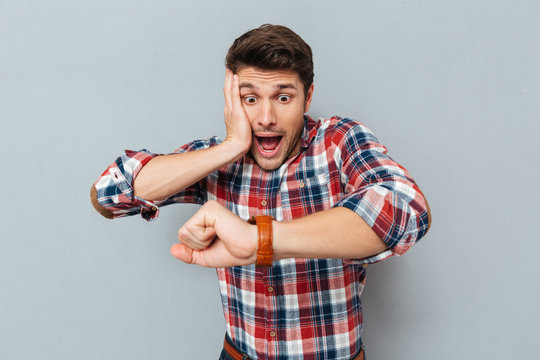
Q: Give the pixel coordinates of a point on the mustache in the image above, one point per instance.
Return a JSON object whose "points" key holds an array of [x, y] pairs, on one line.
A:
{"points": [[273, 132]]}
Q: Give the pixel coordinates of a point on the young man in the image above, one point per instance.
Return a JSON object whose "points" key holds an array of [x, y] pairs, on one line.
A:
{"points": [[326, 200]]}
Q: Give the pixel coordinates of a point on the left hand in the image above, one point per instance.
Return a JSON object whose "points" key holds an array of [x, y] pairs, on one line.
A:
{"points": [[215, 237]]}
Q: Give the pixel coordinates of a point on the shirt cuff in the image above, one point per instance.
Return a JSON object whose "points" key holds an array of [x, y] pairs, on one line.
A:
{"points": [[114, 194], [387, 215]]}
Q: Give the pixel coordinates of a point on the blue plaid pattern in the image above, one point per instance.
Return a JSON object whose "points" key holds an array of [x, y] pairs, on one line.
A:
{"points": [[298, 308]]}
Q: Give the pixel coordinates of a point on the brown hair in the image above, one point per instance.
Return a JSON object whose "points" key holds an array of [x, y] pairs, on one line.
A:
{"points": [[272, 47]]}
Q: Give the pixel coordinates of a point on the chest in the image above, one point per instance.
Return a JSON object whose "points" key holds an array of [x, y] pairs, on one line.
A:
{"points": [[300, 187]]}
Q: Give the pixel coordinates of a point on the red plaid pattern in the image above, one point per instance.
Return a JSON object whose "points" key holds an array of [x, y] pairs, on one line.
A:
{"points": [[298, 308]]}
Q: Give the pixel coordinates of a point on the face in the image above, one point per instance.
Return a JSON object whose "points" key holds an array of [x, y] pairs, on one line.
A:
{"points": [[275, 104]]}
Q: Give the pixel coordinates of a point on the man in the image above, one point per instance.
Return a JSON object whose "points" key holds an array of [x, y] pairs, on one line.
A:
{"points": [[334, 201]]}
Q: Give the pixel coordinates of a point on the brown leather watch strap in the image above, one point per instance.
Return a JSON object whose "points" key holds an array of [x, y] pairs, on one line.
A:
{"points": [[265, 252]]}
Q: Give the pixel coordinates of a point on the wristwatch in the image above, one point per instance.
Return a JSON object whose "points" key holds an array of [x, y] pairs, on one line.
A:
{"points": [[265, 252]]}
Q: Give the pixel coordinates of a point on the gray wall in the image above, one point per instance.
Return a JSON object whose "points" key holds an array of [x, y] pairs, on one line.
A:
{"points": [[450, 87]]}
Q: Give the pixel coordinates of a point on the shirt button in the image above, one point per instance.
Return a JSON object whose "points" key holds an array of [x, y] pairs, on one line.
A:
{"points": [[302, 184], [270, 289], [272, 333], [263, 203], [364, 265]]}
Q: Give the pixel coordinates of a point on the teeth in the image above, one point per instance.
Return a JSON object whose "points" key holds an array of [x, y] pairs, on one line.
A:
{"points": [[266, 150]]}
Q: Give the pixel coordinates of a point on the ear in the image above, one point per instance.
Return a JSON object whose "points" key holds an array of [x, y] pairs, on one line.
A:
{"points": [[309, 96]]}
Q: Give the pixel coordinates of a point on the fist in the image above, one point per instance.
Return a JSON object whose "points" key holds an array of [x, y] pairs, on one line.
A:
{"points": [[215, 237]]}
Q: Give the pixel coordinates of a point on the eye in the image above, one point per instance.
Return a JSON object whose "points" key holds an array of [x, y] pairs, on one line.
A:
{"points": [[250, 99], [284, 98]]}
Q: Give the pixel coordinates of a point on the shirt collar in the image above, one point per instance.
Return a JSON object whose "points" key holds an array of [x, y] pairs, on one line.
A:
{"points": [[309, 132]]}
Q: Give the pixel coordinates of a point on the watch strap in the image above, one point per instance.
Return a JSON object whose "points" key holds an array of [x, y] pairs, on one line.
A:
{"points": [[265, 251]]}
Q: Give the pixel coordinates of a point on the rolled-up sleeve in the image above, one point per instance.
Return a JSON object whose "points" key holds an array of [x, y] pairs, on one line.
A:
{"points": [[113, 196], [379, 190]]}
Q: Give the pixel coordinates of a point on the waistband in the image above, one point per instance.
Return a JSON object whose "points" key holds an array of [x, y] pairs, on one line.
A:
{"points": [[232, 350]]}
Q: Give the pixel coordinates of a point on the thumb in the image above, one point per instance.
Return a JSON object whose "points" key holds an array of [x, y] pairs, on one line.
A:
{"points": [[182, 252]]}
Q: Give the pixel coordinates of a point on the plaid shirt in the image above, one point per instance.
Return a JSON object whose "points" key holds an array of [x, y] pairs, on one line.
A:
{"points": [[298, 308]]}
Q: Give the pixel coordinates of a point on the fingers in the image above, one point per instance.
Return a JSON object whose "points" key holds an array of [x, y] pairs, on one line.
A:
{"points": [[197, 237], [227, 89], [199, 231], [231, 91], [236, 103], [237, 124]]}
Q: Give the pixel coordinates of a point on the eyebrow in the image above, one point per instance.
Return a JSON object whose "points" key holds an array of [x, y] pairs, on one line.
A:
{"points": [[279, 87]]}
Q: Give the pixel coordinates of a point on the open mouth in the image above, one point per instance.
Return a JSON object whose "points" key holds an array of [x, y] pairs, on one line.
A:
{"points": [[268, 145]]}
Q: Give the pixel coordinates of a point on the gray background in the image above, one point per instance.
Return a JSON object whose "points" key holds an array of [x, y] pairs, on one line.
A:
{"points": [[450, 87]]}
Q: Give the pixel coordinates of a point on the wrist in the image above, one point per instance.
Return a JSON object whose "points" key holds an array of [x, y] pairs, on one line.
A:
{"points": [[237, 149], [280, 246]]}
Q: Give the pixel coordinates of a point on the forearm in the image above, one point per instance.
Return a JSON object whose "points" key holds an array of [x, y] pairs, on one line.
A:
{"points": [[334, 233], [166, 175]]}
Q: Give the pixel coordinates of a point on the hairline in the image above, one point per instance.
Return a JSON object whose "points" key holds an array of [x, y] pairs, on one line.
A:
{"points": [[243, 66]]}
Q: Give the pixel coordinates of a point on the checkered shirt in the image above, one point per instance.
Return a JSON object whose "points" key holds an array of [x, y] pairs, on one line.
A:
{"points": [[299, 308]]}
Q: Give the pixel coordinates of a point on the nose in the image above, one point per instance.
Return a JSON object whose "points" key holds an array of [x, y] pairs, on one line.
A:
{"points": [[266, 116]]}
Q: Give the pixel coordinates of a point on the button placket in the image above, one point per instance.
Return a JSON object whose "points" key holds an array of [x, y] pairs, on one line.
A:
{"points": [[270, 290]]}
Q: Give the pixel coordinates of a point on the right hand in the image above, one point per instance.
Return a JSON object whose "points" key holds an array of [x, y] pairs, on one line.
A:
{"points": [[215, 237], [236, 121]]}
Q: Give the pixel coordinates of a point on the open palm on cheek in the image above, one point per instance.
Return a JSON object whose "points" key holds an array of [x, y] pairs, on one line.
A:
{"points": [[236, 120], [215, 237]]}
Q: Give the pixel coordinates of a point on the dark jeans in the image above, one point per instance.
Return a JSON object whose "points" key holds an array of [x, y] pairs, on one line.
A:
{"points": [[225, 356]]}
